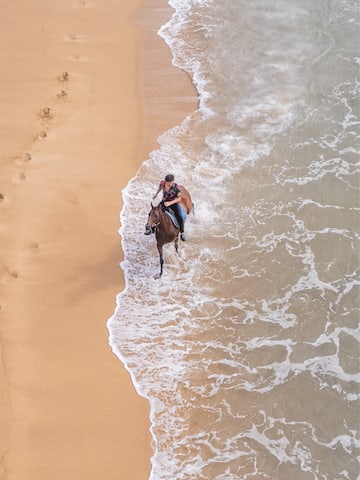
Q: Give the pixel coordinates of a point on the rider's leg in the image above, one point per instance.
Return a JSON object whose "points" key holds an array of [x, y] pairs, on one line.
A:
{"points": [[176, 209]]}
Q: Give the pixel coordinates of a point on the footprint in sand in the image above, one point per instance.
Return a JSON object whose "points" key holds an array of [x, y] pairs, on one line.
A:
{"points": [[82, 4], [18, 177], [72, 37], [34, 247], [2, 197], [40, 136], [24, 159], [63, 95], [46, 114], [64, 77], [77, 58], [9, 276]]}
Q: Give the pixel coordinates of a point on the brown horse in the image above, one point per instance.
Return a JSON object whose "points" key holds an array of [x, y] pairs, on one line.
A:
{"points": [[165, 231], [186, 201]]}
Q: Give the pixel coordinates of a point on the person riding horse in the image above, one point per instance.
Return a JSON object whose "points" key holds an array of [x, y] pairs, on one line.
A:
{"points": [[172, 199], [159, 221]]}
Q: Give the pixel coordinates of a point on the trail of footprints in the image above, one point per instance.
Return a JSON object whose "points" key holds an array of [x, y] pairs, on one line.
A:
{"points": [[45, 117], [48, 113]]}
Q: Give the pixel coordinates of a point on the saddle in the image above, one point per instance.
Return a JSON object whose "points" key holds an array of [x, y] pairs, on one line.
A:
{"points": [[172, 217]]}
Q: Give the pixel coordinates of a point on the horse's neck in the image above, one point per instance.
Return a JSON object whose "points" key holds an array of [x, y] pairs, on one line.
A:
{"points": [[164, 218]]}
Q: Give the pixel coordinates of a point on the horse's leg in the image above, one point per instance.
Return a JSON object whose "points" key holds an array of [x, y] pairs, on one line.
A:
{"points": [[160, 249], [176, 242]]}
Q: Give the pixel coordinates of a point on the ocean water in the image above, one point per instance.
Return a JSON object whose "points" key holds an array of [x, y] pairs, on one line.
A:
{"points": [[247, 347]]}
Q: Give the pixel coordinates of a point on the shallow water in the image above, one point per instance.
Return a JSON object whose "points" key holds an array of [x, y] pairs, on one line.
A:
{"points": [[248, 346]]}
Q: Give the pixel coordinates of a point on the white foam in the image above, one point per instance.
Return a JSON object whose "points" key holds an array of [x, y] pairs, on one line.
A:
{"points": [[248, 280]]}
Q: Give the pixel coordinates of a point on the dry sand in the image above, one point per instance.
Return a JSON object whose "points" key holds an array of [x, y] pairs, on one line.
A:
{"points": [[81, 109]]}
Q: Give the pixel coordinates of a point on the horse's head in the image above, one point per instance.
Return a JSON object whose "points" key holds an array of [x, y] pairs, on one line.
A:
{"points": [[154, 219]]}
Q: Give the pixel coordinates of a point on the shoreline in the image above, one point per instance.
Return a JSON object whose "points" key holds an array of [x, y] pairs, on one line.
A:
{"points": [[80, 115]]}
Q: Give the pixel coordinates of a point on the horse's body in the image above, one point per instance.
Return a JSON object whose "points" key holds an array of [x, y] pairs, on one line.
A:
{"points": [[186, 201], [165, 231], [161, 224]]}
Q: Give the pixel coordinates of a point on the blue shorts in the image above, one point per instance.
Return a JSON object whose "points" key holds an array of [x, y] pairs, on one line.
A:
{"points": [[182, 211]]}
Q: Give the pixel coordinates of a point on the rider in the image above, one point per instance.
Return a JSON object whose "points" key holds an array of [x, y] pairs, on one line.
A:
{"points": [[172, 199]]}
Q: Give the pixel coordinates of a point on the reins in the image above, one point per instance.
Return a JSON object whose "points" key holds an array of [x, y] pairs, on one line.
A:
{"points": [[154, 226]]}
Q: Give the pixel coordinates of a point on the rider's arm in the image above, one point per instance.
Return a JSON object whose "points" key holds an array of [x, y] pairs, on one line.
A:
{"points": [[176, 200], [161, 187], [157, 193]]}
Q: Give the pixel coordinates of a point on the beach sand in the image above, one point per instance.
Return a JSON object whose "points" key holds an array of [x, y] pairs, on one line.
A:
{"points": [[86, 88]]}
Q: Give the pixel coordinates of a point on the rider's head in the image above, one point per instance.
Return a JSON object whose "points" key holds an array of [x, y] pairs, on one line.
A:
{"points": [[169, 178]]}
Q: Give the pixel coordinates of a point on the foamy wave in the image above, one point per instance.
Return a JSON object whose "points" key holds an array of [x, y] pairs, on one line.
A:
{"points": [[245, 346]]}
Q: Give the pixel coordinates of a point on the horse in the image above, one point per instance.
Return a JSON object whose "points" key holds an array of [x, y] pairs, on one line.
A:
{"points": [[165, 231]]}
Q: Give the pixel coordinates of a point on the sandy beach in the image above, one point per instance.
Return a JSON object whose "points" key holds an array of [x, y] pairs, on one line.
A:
{"points": [[84, 94]]}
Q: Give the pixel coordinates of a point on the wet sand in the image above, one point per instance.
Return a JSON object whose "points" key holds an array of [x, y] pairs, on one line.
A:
{"points": [[81, 109]]}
